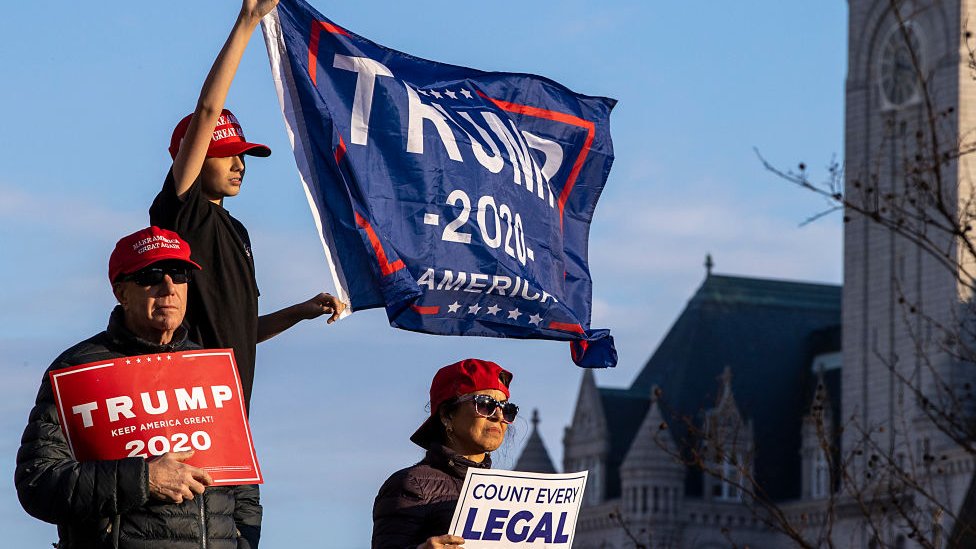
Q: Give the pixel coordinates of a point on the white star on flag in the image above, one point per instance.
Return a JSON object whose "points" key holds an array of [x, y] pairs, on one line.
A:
{"points": [[514, 313], [138, 361], [494, 309], [474, 309], [128, 362], [422, 92], [453, 307], [535, 319], [168, 357], [466, 93], [435, 94], [450, 94]]}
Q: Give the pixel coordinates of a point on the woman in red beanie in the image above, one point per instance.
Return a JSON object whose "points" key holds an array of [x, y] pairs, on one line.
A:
{"points": [[469, 414]]}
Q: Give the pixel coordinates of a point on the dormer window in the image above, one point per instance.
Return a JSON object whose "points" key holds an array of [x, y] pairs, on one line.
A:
{"points": [[728, 488]]}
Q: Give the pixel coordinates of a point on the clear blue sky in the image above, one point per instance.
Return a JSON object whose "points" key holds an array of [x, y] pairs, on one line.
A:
{"points": [[91, 92]]}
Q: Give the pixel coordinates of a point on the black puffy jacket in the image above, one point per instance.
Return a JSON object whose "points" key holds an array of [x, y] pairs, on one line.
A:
{"points": [[106, 504], [418, 502]]}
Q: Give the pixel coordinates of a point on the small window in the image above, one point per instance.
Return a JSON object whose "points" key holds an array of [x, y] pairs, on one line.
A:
{"points": [[728, 488], [820, 481]]}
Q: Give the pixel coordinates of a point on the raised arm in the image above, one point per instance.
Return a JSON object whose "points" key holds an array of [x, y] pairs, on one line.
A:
{"points": [[213, 95]]}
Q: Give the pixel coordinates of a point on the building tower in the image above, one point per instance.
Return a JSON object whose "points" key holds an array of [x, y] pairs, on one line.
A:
{"points": [[652, 479], [908, 87], [534, 457]]}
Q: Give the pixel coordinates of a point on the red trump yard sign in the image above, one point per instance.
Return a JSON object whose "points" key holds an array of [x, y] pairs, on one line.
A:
{"points": [[143, 406]]}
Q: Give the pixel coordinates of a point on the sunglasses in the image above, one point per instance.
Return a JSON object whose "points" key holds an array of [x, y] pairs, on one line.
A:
{"points": [[485, 406], [150, 276]]}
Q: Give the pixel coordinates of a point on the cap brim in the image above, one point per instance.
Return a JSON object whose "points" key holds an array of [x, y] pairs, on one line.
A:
{"points": [[235, 148], [162, 257], [426, 434]]}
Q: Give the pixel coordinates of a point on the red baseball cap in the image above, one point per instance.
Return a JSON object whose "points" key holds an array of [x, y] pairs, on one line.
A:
{"points": [[145, 247], [228, 138], [454, 380]]}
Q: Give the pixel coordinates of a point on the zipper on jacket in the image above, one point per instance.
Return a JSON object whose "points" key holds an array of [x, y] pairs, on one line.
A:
{"points": [[203, 522]]}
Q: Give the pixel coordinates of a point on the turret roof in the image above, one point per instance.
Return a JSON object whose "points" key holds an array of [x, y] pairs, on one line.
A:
{"points": [[535, 458]]}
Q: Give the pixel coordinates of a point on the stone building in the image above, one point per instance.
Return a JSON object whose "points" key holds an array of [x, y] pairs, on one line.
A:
{"points": [[756, 374], [733, 363]]}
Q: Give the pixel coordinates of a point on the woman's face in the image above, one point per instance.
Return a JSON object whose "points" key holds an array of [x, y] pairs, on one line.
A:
{"points": [[472, 434]]}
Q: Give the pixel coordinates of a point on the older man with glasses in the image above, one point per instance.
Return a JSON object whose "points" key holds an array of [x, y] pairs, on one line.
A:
{"points": [[131, 502]]}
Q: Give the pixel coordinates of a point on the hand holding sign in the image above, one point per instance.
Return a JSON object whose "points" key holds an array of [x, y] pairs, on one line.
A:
{"points": [[172, 480], [447, 542]]}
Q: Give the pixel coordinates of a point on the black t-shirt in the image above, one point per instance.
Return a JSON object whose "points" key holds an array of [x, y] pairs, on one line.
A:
{"points": [[222, 303]]}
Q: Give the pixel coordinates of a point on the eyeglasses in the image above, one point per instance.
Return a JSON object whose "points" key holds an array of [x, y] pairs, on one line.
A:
{"points": [[150, 276], [485, 406]]}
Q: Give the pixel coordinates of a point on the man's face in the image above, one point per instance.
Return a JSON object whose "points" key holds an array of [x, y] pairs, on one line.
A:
{"points": [[153, 312], [222, 177]]}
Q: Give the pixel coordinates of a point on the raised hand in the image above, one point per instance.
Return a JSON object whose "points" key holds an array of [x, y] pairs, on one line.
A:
{"points": [[258, 8]]}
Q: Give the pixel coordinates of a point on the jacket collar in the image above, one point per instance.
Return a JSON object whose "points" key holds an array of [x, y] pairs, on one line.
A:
{"points": [[444, 458], [135, 344]]}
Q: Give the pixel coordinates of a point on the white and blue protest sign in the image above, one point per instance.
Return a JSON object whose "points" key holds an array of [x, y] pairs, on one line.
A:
{"points": [[506, 508], [457, 199]]}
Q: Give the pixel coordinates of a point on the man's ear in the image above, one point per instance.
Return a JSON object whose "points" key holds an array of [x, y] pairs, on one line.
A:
{"points": [[445, 416], [118, 288]]}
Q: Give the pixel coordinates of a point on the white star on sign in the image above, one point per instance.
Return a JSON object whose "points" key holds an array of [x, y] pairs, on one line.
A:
{"points": [[493, 309], [435, 94], [168, 357], [453, 307], [128, 362], [450, 94], [466, 93], [514, 313], [138, 361], [535, 319], [473, 310]]}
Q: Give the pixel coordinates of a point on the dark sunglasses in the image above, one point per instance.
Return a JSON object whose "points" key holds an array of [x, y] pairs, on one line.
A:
{"points": [[485, 406], [150, 276]]}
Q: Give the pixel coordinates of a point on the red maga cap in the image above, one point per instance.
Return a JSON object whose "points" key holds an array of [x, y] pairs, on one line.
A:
{"points": [[145, 247], [227, 140], [454, 380]]}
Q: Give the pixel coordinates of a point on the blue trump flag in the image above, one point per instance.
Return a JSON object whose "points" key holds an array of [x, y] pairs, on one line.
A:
{"points": [[459, 200]]}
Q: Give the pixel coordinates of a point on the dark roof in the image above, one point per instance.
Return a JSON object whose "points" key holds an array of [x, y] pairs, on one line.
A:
{"points": [[535, 458], [761, 329]]}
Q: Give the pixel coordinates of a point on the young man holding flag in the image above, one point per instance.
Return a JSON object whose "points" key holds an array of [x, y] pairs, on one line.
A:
{"points": [[208, 149]]}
